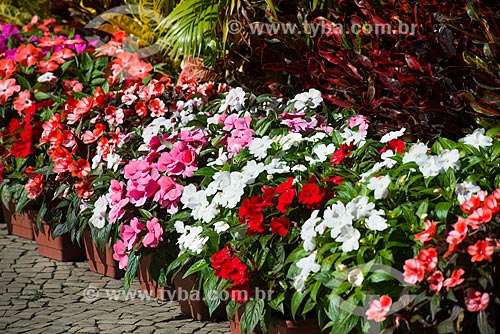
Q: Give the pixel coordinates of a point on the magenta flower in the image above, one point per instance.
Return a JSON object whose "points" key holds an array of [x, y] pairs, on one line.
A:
{"points": [[115, 191], [169, 194]]}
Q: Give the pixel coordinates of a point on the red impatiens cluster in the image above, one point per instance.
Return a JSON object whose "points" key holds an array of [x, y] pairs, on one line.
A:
{"points": [[228, 266], [480, 209], [251, 212]]}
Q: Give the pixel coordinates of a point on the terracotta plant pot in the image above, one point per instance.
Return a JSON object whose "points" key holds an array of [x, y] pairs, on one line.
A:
{"points": [[195, 308], [61, 248], [20, 224], [101, 261], [234, 324], [148, 283]]}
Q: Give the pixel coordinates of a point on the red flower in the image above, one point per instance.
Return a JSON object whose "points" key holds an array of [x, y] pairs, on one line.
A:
{"points": [[280, 226], [84, 188], [480, 216], [476, 301], [482, 250], [436, 281], [428, 258], [140, 109], [287, 194], [473, 203], [414, 271], [230, 267], [250, 214], [7, 68], [428, 233], [28, 55], [395, 145], [268, 194], [311, 195], [455, 279], [340, 154], [34, 186]]}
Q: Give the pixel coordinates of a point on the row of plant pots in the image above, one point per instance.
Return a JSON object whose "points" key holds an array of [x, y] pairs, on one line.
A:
{"points": [[101, 261]]}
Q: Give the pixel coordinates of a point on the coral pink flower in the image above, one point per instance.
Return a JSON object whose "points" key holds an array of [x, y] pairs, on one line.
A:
{"points": [[84, 188], [480, 251], [35, 185], [28, 55], [455, 279], [114, 116], [428, 233], [7, 68], [480, 216], [154, 235], [23, 101], [459, 233], [119, 254], [428, 258], [79, 168], [130, 233], [360, 120], [7, 88], [414, 271], [379, 308], [157, 108], [474, 202], [436, 281], [476, 301]]}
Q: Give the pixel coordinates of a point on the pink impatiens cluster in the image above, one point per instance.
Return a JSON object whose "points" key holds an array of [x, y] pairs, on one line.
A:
{"points": [[133, 236]]}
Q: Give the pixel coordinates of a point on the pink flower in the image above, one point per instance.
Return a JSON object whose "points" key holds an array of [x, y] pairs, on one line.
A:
{"points": [[476, 301], [181, 160], [157, 108], [155, 232], [115, 191], [169, 194], [114, 116], [129, 233], [428, 258], [7, 88], [119, 254], [379, 308], [117, 211], [23, 101], [428, 233], [361, 121], [414, 271], [480, 251], [137, 169], [238, 140]]}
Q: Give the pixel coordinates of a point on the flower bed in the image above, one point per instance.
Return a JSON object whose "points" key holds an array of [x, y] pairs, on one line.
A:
{"points": [[251, 194]]}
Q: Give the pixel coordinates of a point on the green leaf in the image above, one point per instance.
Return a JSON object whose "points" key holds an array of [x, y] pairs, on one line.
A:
{"points": [[205, 171], [146, 214], [482, 323], [254, 311], [60, 230], [133, 262], [342, 320], [442, 209], [297, 299], [198, 266], [42, 96]]}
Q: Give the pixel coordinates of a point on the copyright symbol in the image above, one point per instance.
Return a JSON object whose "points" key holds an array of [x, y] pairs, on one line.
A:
{"points": [[234, 27], [90, 294]]}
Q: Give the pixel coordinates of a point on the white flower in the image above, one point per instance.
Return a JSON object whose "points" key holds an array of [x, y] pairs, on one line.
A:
{"points": [[235, 100], [299, 168], [321, 151], [113, 161], [392, 135], [277, 167], [221, 227], [360, 207], [311, 99], [259, 146], [221, 159], [47, 77], [416, 153], [308, 232], [429, 166], [349, 237], [154, 128], [190, 238], [386, 159], [477, 139], [335, 217], [198, 203], [98, 218], [375, 221], [317, 137], [252, 170], [465, 191], [307, 265], [352, 137], [380, 186], [355, 277], [291, 139], [449, 159]]}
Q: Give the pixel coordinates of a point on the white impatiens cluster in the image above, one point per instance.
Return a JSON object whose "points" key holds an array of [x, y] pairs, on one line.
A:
{"points": [[235, 100], [339, 219], [98, 218], [190, 238], [380, 186], [320, 153], [432, 165], [477, 139], [259, 146]]}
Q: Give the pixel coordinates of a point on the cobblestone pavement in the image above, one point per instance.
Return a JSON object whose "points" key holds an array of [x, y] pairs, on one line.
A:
{"points": [[39, 295]]}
